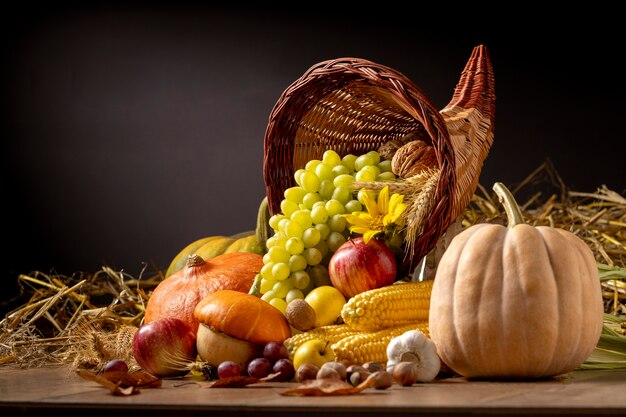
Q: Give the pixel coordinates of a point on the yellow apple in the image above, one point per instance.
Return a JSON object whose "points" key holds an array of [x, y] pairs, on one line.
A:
{"points": [[327, 302], [315, 351]]}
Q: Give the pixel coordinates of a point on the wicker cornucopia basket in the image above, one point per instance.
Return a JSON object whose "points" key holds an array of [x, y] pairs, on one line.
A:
{"points": [[353, 106]]}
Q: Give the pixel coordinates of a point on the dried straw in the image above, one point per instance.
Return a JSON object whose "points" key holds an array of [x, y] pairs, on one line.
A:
{"points": [[84, 320]]}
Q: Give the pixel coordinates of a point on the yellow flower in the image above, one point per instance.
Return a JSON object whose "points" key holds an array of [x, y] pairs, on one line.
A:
{"points": [[379, 215]]}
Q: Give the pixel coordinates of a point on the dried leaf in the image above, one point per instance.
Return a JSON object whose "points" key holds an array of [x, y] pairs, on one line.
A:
{"points": [[142, 379], [110, 385], [139, 379], [323, 387], [234, 382]]}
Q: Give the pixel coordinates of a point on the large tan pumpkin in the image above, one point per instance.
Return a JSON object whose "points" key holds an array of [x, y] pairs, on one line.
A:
{"points": [[516, 302]]}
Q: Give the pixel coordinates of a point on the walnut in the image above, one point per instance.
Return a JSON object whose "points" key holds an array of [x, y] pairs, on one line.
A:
{"points": [[413, 158], [388, 149]]}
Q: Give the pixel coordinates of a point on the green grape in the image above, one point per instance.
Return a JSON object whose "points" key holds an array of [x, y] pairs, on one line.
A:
{"points": [[281, 288], [326, 189], [311, 237], [312, 164], [294, 194], [375, 157], [294, 294], [281, 225], [279, 304], [337, 223], [297, 174], [271, 241], [273, 221], [324, 172], [312, 256], [266, 271], [310, 183], [324, 230], [297, 263], [372, 169], [293, 229], [385, 166], [371, 194], [342, 194], [300, 279], [279, 239], [266, 285], [335, 207], [335, 240], [322, 246], [278, 254], [345, 180], [302, 217], [288, 207], [348, 161], [320, 203], [319, 276], [310, 199], [281, 271], [363, 161], [266, 258], [319, 214], [340, 170], [268, 296], [365, 176], [353, 205], [331, 158], [294, 245], [386, 176]]}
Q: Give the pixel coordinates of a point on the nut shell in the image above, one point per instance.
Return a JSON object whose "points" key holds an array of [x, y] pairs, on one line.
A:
{"points": [[413, 158]]}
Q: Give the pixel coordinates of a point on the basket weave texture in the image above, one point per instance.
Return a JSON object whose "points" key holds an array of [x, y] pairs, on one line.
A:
{"points": [[354, 105]]}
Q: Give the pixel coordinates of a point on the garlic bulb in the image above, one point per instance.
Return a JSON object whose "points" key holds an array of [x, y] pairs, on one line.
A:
{"points": [[414, 346]]}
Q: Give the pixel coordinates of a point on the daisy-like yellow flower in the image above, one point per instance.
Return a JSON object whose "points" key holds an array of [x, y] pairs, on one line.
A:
{"points": [[379, 215]]}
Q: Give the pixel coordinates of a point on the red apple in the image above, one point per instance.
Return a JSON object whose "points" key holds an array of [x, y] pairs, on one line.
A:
{"points": [[165, 347], [358, 266]]}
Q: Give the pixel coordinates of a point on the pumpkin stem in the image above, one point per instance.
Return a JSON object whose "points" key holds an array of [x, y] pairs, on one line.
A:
{"points": [[513, 212], [194, 260], [262, 223]]}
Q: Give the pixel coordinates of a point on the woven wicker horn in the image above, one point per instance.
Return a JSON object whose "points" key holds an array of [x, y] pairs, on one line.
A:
{"points": [[469, 118]]}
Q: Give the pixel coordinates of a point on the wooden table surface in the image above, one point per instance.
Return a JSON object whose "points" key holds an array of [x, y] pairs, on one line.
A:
{"points": [[47, 391]]}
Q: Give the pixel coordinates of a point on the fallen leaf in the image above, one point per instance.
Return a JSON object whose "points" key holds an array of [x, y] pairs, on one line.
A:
{"points": [[142, 379], [234, 382], [110, 385], [323, 387]]}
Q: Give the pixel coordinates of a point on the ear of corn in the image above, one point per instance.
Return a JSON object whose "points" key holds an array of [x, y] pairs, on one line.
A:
{"points": [[390, 306], [371, 346], [331, 333]]}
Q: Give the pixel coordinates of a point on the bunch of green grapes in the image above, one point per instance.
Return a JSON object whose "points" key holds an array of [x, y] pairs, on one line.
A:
{"points": [[310, 227]]}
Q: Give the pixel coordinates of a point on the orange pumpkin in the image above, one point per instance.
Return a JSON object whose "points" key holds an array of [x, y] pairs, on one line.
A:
{"points": [[235, 326], [243, 316], [178, 295]]}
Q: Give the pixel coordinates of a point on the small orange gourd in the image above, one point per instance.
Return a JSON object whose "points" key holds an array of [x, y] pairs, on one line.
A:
{"points": [[516, 302], [178, 295]]}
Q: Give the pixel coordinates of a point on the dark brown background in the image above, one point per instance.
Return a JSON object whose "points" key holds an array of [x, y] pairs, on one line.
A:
{"points": [[129, 131]]}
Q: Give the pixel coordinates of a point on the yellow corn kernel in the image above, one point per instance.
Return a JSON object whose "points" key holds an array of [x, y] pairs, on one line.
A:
{"points": [[371, 346], [389, 306], [331, 333]]}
